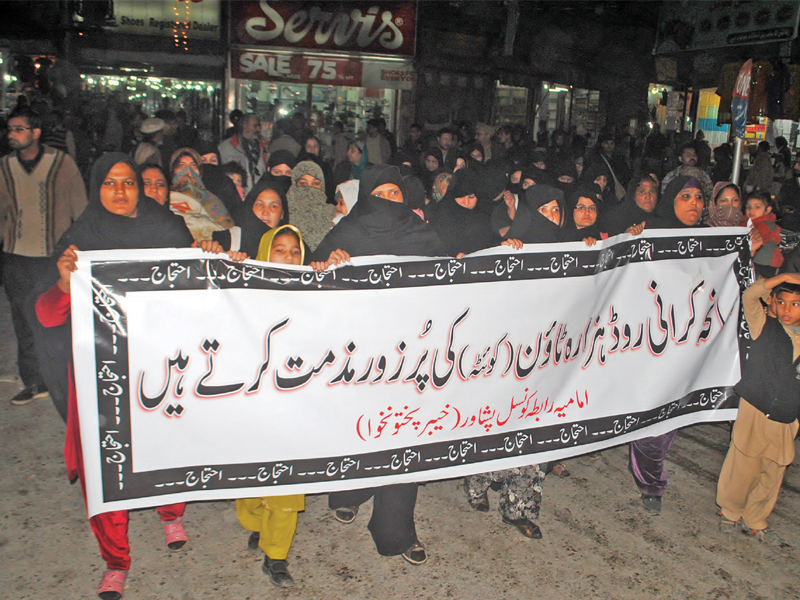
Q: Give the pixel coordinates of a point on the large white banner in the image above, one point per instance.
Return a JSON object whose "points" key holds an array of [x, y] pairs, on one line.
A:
{"points": [[199, 378]]}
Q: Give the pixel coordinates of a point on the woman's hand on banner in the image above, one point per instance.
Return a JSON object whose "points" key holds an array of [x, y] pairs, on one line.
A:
{"points": [[514, 243], [636, 229], [337, 257], [213, 247], [66, 265], [589, 241]]}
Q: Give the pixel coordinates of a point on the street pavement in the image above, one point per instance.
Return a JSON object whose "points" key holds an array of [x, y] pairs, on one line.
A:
{"points": [[598, 542]]}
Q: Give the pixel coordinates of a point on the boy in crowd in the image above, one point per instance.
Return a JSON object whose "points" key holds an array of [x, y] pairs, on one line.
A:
{"points": [[767, 256], [762, 441]]}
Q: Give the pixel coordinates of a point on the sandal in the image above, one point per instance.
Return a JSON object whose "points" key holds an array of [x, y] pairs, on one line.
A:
{"points": [[759, 534], [112, 585], [725, 524], [560, 470], [177, 539], [346, 514], [416, 554], [526, 527], [482, 505]]}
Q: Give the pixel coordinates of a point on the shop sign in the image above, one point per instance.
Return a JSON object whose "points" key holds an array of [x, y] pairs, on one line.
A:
{"points": [[375, 27], [398, 76], [741, 97], [295, 68], [702, 25], [198, 19]]}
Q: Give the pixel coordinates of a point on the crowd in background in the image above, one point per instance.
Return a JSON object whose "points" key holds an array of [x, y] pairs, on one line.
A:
{"points": [[157, 182]]}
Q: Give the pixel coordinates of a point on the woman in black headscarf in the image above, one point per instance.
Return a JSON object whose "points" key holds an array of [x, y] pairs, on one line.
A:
{"points": [[381, 223], [681, 206], [581, 219], [214, 177], [457, 221], [312, 150], [564, 176], [377, 225], [119, 216], [264, 208], [635, 211], [536, 219], [491, 185], [432, 165], [599, 173]]}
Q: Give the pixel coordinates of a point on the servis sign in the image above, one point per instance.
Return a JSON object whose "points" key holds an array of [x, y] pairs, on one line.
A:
{"points": [[373, 27]]}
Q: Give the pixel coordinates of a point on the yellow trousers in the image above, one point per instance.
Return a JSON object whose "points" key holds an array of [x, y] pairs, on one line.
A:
{"points": [[275, 520]]}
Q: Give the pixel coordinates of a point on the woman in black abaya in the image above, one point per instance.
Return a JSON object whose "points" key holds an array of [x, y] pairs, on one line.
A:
{"points": [[680, 208], [463, 228], [583, 206], [381, 223], [538, 218], [635, 211]]}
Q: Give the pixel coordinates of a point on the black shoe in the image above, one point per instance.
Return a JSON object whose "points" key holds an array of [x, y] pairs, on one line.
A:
{"points": [[652, 504], [252, 541], [277, 572], [526, 527], [29, 394], [346, 514]]}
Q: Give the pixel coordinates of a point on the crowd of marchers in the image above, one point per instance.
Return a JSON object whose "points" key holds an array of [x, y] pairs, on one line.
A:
{"points": [[296, 199]]}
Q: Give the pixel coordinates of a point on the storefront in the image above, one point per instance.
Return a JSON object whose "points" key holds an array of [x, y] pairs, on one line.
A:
{"points": [[333, 61], [157, 55], [568, 108]]}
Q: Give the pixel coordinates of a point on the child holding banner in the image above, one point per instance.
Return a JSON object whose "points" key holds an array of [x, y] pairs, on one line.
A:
{"points": [[762, 440], [273, 520]]}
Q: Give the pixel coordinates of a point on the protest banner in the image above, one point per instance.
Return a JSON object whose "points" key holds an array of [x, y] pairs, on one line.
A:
{"points": [[199, 378]]}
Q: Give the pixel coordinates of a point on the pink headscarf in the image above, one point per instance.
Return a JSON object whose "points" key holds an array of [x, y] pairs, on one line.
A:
{"points": [[723, 216]]}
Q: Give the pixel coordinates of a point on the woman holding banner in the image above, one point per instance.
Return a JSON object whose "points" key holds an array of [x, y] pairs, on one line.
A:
{"points": [[381, 223], [119, 216], [680, 208]]}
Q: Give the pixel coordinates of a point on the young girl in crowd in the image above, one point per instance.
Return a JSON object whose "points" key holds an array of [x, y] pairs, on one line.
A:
{"points": [[273, 519], [284, 245], [119, 215], [346, 196], [264, 208]]}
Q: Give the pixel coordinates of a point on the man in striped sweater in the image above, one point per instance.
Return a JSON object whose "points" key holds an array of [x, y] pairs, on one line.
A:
{"points": [[41, 195]]}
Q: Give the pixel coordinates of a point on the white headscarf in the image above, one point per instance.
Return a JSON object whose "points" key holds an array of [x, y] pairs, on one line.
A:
{"points": [[349, 192]]}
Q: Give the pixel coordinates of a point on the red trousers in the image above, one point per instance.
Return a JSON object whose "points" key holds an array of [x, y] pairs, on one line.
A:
{"points": [[111, 528]]}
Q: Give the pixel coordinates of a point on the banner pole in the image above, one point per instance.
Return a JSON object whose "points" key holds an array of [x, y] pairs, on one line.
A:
{"points": [[737, 160]]}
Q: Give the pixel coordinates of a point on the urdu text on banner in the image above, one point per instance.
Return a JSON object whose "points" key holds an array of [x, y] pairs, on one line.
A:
{"points": [[199, 378]]}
